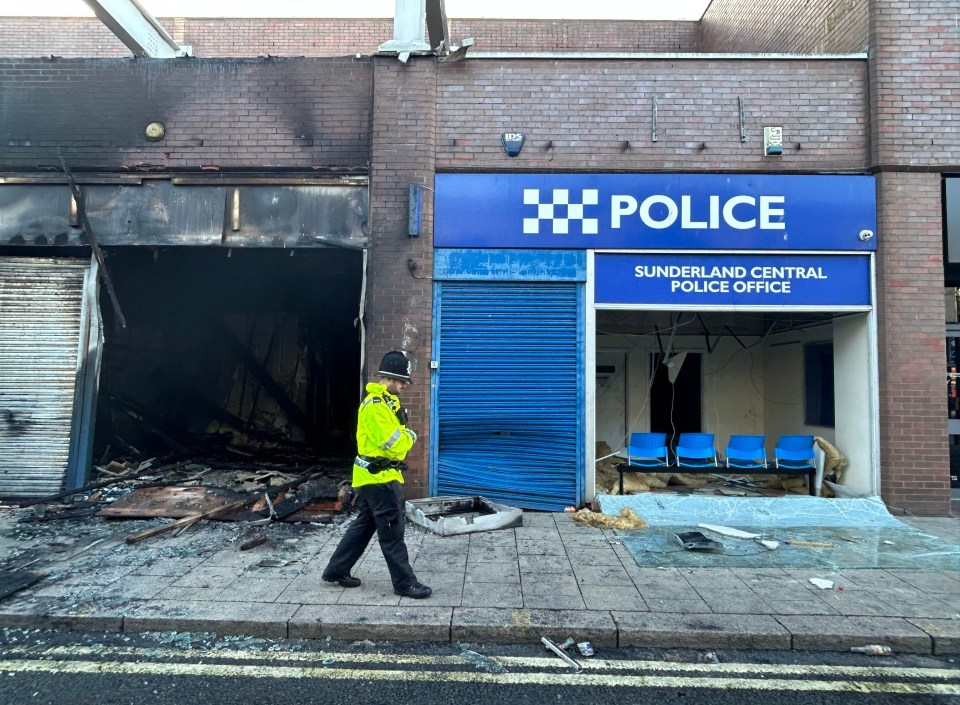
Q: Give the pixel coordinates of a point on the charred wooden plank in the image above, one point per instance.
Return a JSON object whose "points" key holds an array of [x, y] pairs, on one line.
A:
{"points": [[104, 483]]}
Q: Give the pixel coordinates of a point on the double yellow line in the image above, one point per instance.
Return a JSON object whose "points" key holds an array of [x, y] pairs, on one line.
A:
{"points": [[453, 669]]}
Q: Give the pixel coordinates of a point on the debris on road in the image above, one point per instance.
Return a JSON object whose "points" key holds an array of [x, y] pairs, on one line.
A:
{"points": [[696, 541], [728, 531], [810, 544], [873, 650], [450, 516], [254, 542], [560, 652], [482, 662]]}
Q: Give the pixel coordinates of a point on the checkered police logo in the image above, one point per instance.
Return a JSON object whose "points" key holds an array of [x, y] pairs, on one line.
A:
{"points": [[559, 212]]}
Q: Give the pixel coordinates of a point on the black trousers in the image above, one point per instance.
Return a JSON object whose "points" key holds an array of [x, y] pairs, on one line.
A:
{"points": [[381, 511]]}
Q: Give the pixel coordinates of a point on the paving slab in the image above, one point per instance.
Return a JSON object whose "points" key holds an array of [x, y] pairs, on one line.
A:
{"points": [[607, 575], [419, 623], [811, 633], [504, 594], [487, 572], [942, 582], [810, 605], [554, 602], [700, 631], [742, 601], [486, 553], [549, 584], [540, 547], [593, 557], [237, 618], [856, 603], [371, 593], [526, 626], [944, 632], [662, 605], [249, 589], [613, 597]]}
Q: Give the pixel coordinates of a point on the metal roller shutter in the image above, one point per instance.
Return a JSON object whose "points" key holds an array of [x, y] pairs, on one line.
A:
{"points": [[41, 318], [509, 411]]}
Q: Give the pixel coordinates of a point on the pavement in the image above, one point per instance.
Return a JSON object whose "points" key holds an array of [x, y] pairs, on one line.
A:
{"points": [[550, 577]]}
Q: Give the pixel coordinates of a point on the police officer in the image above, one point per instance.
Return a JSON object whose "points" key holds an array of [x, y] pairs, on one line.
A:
{"points": [[383, 441]]}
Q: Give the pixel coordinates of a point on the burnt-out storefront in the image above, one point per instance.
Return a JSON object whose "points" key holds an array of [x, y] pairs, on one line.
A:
{"points": [[251, 351], [226, 320], [184, 250]]}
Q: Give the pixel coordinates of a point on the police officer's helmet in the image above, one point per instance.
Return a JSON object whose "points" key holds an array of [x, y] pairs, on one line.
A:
{"points": [[395, 366]]}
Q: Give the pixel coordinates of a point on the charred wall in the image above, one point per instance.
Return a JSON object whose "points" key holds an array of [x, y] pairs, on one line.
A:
{"points": [[217, 113]]}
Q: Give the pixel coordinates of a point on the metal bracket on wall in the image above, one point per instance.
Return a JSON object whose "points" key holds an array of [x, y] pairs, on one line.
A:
{"points": [[656, 104], [743, 127]]}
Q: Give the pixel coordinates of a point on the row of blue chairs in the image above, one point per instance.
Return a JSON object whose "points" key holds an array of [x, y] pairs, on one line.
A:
{"points": [[696, 452]]}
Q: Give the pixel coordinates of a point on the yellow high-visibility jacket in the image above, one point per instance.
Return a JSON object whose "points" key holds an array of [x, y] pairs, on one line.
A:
{"points": [[380, 435]]}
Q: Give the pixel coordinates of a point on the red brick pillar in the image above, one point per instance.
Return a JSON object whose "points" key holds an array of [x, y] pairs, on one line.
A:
{"points": [[400, 301], [914, 137], [913, 392]]}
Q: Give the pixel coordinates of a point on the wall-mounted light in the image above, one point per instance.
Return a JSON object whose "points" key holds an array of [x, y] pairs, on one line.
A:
{"points": [[512, 143], [155, 131]]}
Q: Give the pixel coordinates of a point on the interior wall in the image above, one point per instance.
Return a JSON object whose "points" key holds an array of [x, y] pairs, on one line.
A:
{"points": [[733, 379], [729, 405], [783, 385]]}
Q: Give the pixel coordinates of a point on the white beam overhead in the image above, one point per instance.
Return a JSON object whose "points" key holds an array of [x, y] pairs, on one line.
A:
{"points": [[137, 28]]}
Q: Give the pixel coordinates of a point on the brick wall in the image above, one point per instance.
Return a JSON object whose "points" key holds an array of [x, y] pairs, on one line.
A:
{"points": [[579, 35], [588, 115], [913, 425], [222, 37], [269, 113], [915, 83], [68, 37], [785, 26], [399, 304]]}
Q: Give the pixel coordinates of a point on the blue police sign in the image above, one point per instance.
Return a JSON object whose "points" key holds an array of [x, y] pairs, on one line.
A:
{"points": [[656, 211], [732, 280]]}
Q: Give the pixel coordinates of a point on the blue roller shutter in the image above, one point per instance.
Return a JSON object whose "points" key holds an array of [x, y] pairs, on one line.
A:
{"points": [[508, 396]]}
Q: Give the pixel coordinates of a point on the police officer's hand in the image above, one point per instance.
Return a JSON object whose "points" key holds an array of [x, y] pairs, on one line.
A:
{"points": [[402, 416]]}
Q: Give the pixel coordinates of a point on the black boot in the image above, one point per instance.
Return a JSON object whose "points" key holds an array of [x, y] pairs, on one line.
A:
{"points": [[347, 581], [416, 590]]}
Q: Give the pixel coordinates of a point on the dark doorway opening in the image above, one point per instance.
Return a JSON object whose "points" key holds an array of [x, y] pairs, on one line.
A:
{"points": [[675, 396], [254, 352]]}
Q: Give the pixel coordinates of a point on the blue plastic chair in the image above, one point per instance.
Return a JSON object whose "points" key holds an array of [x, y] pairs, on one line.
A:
{"points": [[746, 452], [696, 450], [645, 451], [794, 454]]}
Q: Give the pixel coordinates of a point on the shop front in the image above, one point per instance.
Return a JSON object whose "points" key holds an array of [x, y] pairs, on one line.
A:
{"points": [[574, 310], [226, 325]]}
